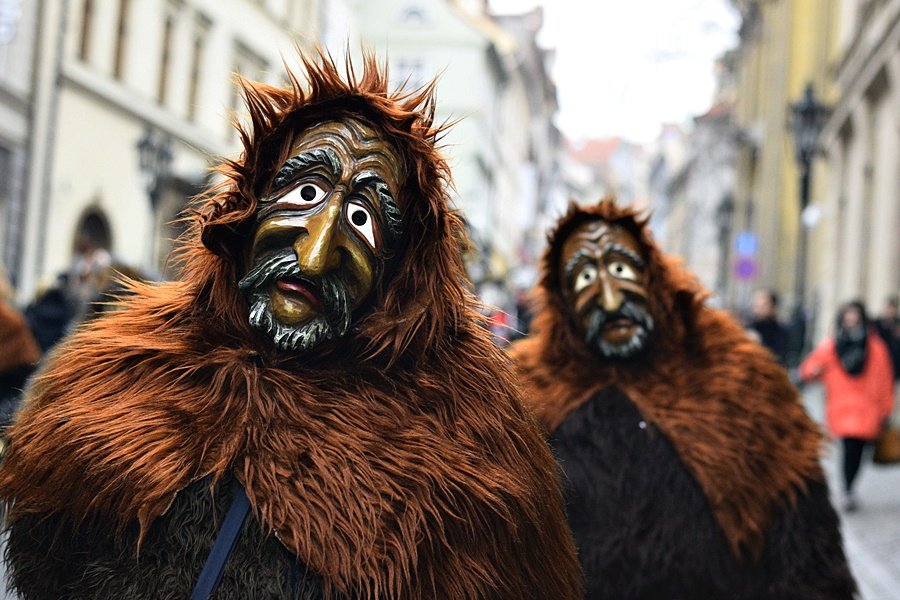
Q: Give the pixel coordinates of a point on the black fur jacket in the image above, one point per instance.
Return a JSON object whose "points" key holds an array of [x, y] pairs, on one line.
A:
{"points": [[643, 527]]}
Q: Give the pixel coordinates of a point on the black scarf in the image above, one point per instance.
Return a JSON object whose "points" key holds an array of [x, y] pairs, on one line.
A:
{"points": [[851, 349]]}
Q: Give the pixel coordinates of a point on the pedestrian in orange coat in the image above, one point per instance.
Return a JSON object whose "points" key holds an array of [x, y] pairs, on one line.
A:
{"points": [[855, 368]]}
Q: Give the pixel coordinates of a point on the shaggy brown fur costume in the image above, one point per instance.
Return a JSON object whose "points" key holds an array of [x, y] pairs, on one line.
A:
{"points": [[395, 463], [725, 405]]}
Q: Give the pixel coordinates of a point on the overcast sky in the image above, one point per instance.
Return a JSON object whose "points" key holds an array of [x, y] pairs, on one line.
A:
{"points": [[625, 67]]}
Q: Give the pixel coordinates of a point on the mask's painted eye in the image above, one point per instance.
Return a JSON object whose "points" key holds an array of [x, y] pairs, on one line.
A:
{"points": [[586, 277], [304, 195], [361, 220], [621, 270]]}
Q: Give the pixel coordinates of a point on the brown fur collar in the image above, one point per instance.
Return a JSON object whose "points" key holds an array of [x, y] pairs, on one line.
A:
{"points": [[396, 463], [721, 399], [17, 345]]}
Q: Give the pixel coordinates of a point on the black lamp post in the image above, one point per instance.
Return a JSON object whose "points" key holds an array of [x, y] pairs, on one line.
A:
{"points": [[724, 216], [155, 161], [808, 116]]}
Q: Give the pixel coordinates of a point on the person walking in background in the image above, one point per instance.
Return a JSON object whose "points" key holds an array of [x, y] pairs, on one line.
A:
{"points": [[888, 327], [52, 313], [771, 333], [856, 371]]}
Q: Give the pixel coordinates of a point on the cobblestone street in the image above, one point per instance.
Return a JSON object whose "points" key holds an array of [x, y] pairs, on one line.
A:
{"points": [[871, 534]]}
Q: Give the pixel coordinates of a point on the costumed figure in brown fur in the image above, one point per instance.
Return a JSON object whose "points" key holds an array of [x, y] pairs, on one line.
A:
{"points": [[691, 467], [320, 361]]}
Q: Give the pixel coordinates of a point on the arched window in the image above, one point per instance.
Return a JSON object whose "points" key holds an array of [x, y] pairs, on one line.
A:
{"points": [[93, 230], [413, 14]]}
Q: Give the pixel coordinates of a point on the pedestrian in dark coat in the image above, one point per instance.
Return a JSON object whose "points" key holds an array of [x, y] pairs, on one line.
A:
{"points": [[691, 467], [321, 362], [772, 333], [888, 327], [51, 314]]}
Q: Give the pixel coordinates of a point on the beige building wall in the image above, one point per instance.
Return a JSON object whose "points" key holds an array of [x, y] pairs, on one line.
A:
{"points": [[484, 89], [785, 44], [17, 41], [858, 236], [110, 69]]}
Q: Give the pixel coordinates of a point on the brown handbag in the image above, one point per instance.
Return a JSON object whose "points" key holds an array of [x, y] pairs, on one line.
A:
{"points": [[887, 446]]}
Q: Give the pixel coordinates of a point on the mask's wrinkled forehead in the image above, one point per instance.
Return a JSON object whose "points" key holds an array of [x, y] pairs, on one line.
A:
{"points": [[352, 150], [596, 240]]}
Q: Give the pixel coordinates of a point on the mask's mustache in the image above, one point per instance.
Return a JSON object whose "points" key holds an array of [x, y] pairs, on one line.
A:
{"points": [[628, 310], [331, 287]]}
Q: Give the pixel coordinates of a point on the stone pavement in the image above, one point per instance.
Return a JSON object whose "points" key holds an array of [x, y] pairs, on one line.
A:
{"points": [[872, 533]]}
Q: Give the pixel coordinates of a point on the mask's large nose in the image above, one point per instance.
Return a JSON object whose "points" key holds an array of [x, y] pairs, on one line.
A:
{"points": [[611, 297], [316, 248]]}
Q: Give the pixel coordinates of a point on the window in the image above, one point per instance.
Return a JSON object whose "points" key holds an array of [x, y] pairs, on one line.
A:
{"points": [[166, 56], [413, 14], [201, 31], [5, 173], [250, 66], [121, 39], [93, 229], [87, 20], [409, 73], [8, 219]]}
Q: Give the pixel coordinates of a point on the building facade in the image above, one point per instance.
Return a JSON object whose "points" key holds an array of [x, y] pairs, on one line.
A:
{"points": [[667, 156], [784, 45], [132, 106], [18, 31], [700, 192], [856, 246], [494, 86]]}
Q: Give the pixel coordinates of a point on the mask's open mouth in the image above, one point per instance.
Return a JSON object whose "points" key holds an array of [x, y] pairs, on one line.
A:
{"points": [[305, 290]]}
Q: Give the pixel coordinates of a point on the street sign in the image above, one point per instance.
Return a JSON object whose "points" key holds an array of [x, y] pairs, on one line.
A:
{"points": [[745, 268], [746, 243]]}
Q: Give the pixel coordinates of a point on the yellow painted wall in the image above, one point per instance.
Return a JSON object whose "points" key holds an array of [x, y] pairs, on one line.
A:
{"points": [[795, 42]]}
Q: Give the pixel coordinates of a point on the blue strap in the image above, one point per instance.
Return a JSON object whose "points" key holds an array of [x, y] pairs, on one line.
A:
{"points": [[221, 550]]}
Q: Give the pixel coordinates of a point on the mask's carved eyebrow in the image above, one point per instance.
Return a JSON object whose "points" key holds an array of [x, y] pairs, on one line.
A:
{"points": [[319, 156], [572, 263], [390, 212], [623, 250]]}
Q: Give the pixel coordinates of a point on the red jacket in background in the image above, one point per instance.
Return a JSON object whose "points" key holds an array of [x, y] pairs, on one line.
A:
{"points": [[854, 406]]}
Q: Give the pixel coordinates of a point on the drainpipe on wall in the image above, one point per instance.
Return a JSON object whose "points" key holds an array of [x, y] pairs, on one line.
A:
{"points": [[52, 120]]}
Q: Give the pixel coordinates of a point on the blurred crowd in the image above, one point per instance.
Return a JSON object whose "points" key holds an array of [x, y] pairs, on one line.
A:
{"points": [[93, 280]]}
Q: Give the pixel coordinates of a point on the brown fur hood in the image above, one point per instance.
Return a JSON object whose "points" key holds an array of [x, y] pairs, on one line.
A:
{"points": [[721, 399], [398, 463]]}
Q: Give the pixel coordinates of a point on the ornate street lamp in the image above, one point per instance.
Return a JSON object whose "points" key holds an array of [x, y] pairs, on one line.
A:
{"points": [[155, 161], [808, 116], [724, 218]]}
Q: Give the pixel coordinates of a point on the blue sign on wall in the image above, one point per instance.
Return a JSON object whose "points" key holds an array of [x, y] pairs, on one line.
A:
{"points": [[746, 243], [745, 268]]}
